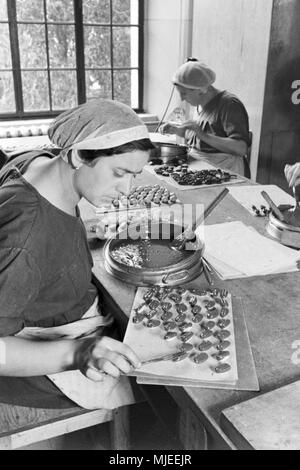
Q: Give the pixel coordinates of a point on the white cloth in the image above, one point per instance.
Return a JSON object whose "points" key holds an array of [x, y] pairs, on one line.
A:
{"points": [[224, 161], [108, 394]]}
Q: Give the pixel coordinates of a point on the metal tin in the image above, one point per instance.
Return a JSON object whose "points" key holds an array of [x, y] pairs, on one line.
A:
{"points": [[286, 234], [168, 152], [176, 274]]}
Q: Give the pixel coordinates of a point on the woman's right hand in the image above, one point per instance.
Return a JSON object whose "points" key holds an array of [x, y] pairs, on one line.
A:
{"points": [[292, 174], [96, 357], [172, 128]]}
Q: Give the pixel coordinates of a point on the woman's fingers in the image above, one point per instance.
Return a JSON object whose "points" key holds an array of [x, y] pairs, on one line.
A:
{"points": [[94, 374], [117, 347], [114, 364]]}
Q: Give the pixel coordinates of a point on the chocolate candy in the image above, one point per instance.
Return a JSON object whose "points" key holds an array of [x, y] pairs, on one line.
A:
{"points": [[185, 326], [199, 358], [196, 309], [166, 316], [151, 313], [175, 297], [166, 306], [209, 325], [222, 334], [224, 312], [221, 355], [154, 304], [210, 304], [223, 345], [205, 346], [153, 323], [197, 318], [185, 337], [212, 314], [205, 334], [138, 318], [181, 308], [170, 325], [170, 335], [193, 301], [180, 318], [223, 324], [186, 347], [179, 356], [222, 368]]}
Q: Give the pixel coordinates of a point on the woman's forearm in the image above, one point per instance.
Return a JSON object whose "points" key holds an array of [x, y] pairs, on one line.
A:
{"points": [[24, 358], [225, 144]]}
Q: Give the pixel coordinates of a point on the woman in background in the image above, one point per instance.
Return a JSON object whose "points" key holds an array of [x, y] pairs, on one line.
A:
{"points": [[220, 133]]}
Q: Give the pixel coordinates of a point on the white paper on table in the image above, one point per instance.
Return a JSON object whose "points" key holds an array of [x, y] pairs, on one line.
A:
{"points": [[149, 343], [249, 196], [236, 250]]}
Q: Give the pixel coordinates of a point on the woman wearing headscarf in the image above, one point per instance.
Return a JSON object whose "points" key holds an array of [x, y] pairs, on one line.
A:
{"points": [[220, 133], [51, 323]]}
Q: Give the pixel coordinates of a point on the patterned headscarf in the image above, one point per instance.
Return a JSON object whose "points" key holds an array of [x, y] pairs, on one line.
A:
{"points": [[95, 125]]}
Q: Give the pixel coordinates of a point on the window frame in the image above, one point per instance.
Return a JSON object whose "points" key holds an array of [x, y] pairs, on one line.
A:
{"points": [[80, 60]]}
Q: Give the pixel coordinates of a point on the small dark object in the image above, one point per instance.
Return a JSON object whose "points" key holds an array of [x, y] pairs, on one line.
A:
{"points": [[199, 358], [186, 347], [153, 323], [222, 368], [170, 325], [205, 346]]}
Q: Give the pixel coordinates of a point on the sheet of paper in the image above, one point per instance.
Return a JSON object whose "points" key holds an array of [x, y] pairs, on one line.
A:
{"points": [[249, 196], [236, 250], [149, 343]]}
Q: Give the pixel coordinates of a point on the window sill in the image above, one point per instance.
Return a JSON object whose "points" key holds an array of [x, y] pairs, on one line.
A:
{"points": [[15, 135], [35, 127]]}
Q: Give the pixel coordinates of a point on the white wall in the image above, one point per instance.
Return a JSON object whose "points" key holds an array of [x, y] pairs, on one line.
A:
{"points": [[232, 36], [168, 40]]}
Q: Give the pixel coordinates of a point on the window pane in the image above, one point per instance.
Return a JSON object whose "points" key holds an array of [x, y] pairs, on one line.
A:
{"points": [[35, 91], [64, 89], [122, 86], [62, 46], [125, 42], [98, 84], [32, 46], [121, 11], [96, 11], [5, 54], [60, 10], [7, 94], [3, 10], [30, 10], [97, 46]]}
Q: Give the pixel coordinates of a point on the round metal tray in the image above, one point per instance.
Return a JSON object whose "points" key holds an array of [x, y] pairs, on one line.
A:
{"points": [[286, 234], [171, 274]]}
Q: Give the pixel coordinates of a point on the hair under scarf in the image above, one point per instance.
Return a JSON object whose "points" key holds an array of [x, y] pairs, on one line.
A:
{"points": [[97, 124]]}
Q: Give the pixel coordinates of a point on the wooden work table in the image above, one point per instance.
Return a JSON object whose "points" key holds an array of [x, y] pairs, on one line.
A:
{"points": [[272, 306]]}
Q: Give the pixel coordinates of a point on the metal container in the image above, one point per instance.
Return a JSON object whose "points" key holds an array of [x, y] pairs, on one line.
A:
{"points": [[286, 234], [168, 152], [185, 270]]}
